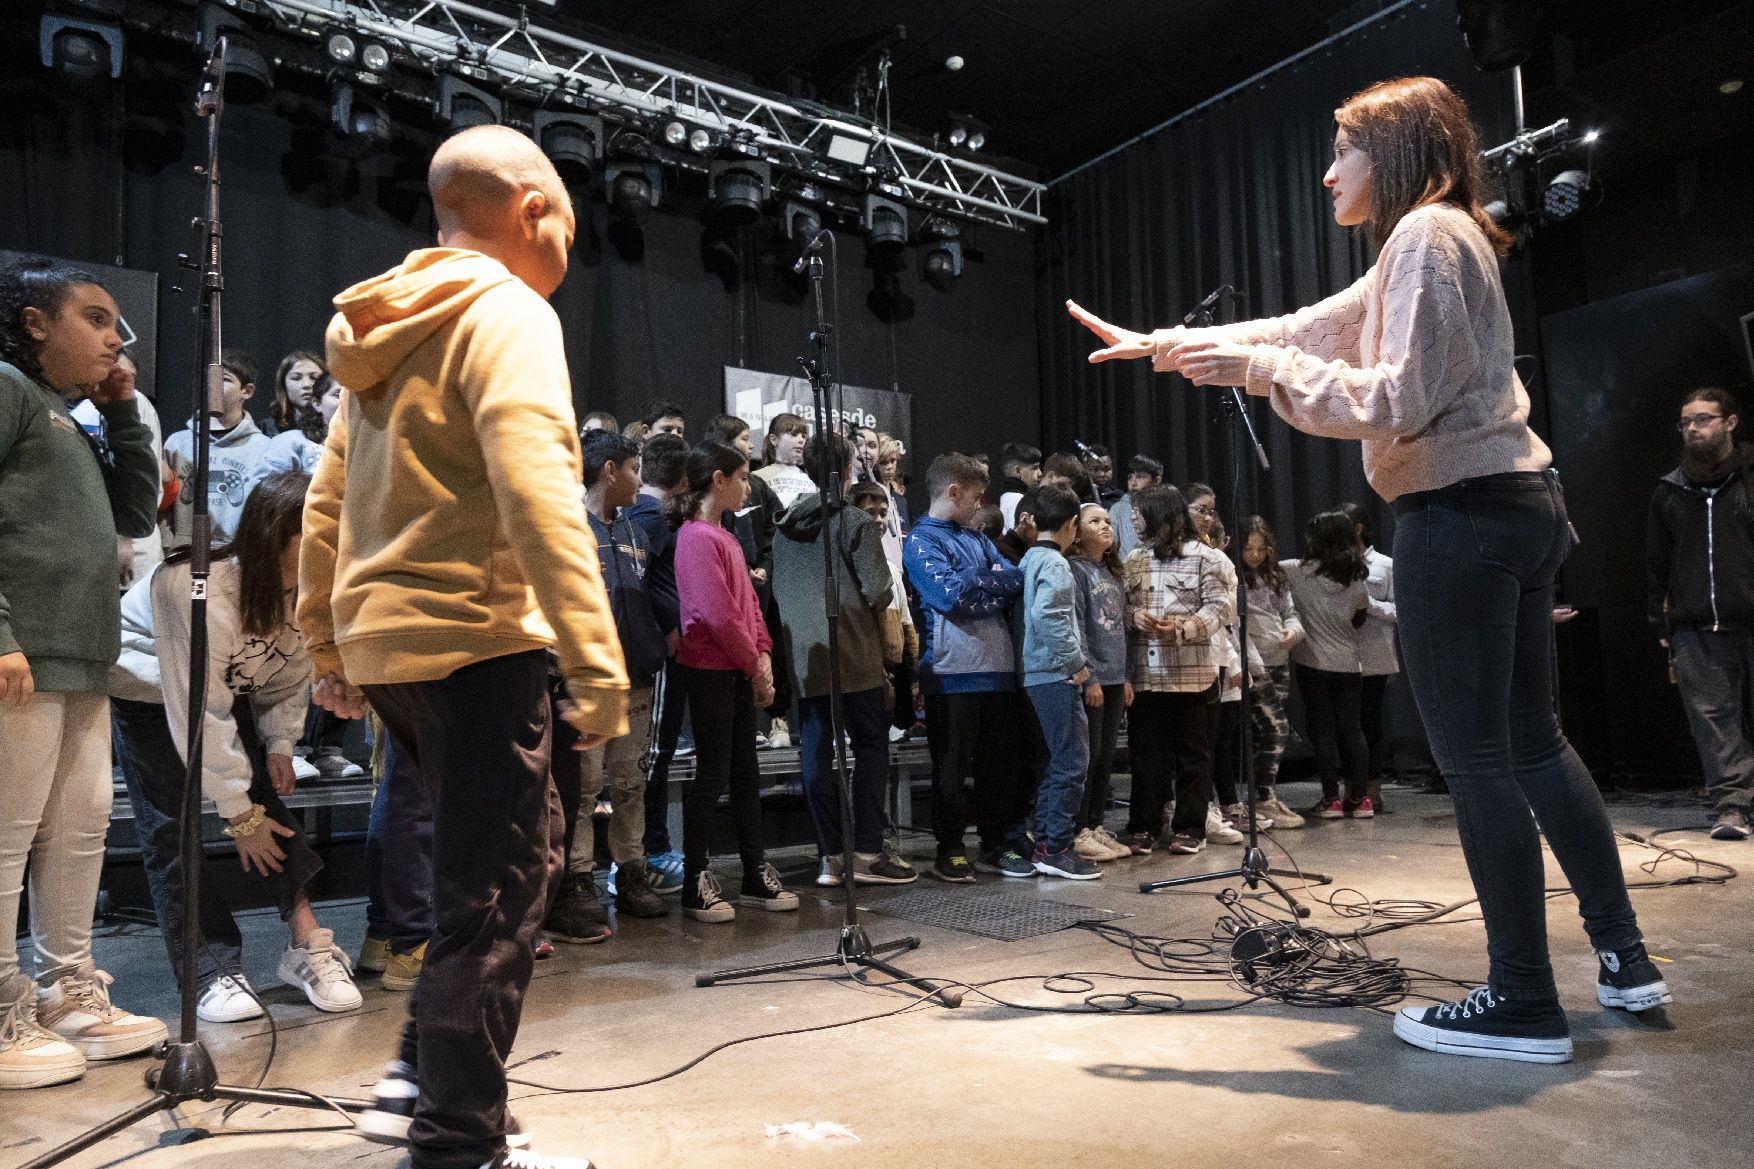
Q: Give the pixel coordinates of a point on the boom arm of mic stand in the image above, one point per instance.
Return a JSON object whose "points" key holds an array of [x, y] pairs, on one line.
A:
{"points": [[1241, 406]]}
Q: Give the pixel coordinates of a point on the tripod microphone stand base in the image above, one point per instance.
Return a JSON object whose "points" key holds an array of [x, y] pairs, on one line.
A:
{"points": [[1253, 871], [186, 1075], [853, 949]]}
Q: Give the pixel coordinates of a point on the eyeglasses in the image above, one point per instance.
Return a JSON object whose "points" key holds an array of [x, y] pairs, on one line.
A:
{"points": [[1689, 421]]}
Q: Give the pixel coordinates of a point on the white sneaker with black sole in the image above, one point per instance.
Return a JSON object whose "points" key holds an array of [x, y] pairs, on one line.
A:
{"points": [[1489, 1025], [321, 969]]}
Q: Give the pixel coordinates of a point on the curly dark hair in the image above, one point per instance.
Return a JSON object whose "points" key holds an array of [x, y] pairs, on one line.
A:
{"points": [[33, 282]]}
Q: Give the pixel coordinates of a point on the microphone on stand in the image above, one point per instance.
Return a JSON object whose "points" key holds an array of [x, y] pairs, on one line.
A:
{"points": [[1207, 305], [810, 249]]}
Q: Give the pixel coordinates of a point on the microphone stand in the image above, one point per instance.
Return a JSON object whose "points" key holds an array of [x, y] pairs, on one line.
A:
{"points": [[1254, 870], [854, 950], [186, 1073]]}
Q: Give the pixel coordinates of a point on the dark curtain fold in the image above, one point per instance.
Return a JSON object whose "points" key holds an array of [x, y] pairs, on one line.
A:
{"points": [[1229, 195]]}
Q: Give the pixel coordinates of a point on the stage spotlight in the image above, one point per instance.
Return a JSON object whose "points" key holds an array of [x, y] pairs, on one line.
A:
{"points": [[462, 105], [350, 51], [632, 188], [574, 142], [736, 189], [976, 140], [80, 50], [362, 124], [248, 76], [953, 63], [885, 224], [1565, 194], [958, 136], [675, 134], [700, 141], [943, 262]]}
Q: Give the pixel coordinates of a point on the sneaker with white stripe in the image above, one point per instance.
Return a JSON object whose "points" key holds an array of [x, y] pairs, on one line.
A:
{"points": [[320, 968]]}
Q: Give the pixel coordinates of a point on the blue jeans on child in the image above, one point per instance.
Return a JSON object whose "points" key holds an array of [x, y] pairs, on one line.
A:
{"points": [[398, 856], [1059, 707]]}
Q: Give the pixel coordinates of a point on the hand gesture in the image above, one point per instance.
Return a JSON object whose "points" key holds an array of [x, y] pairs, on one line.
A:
{"points": [[1212, 361], [280, 774], [1122, 343], [1093, 697], [117, 387], [17, 685], [338, 696], [259, 851]]}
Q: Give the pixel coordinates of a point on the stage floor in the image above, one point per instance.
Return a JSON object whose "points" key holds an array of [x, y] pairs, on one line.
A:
{"points": [[993, 1086]]}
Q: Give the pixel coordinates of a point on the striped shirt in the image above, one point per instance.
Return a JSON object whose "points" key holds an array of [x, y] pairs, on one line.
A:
{"points": [[1198, 590]]}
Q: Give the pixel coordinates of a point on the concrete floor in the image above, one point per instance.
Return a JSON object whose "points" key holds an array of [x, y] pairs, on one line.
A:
{"points": [[993, 1086]]}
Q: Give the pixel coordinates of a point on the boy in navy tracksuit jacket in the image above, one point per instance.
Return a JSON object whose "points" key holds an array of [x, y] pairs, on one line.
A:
{"points": [[968, 669]]}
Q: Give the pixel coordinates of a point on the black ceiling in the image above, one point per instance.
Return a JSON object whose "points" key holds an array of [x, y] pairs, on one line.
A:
{"points": [[1056, 81]]}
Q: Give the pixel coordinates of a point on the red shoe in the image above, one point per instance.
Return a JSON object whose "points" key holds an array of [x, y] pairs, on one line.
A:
{"points": [[1362, 810], [1328, 810], [544, 948]]}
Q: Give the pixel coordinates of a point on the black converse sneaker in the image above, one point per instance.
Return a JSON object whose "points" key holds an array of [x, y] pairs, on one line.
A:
{"points": [[1491, 1025], [703, 901], [1628, 979], [762, 889]]}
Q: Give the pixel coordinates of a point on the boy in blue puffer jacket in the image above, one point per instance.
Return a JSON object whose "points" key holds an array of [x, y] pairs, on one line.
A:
{"points": [[968, 671]]}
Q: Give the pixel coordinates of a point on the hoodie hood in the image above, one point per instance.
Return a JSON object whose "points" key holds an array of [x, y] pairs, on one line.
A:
{"points": [[241, 434], [380, 321], [803, 520]]}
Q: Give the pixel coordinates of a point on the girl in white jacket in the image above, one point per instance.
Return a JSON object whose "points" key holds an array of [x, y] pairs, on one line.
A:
{"points": [[258, 688]]}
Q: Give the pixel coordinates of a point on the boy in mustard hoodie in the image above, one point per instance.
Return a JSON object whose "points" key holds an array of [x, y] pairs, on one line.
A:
{"points": [[445, 549]]}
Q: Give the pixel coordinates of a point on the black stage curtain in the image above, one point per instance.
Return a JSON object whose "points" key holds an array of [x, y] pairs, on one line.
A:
{"points": [[105, 174], [1231, 194]]}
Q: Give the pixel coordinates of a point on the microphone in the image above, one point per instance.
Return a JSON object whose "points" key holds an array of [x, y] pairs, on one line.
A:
{"points": [[810, 250], [212, 80], [1207, 305]]}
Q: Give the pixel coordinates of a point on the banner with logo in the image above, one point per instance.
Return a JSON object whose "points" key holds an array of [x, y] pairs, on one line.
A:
{"points": [[757, 397]]}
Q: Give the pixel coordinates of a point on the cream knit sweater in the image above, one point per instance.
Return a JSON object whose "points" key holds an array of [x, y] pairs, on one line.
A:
{"points": [[1416, 359]]}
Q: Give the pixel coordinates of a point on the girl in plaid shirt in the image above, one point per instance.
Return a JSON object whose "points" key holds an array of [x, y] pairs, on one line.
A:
{"points": [[1180, 594]]}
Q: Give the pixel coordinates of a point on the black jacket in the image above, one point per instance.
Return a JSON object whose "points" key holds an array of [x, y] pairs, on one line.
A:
{"points": [[1699, 549]]}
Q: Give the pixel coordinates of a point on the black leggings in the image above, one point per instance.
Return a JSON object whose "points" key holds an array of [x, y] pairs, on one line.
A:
{"points": [[1105, 729], [1332, 714], [723, 706]]}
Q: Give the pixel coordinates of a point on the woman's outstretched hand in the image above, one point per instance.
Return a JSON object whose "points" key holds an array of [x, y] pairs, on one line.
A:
{"points": [[1122, 343], [1210, 361]]}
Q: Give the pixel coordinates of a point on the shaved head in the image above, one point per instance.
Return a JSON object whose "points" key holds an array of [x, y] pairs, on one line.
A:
{"points": [[495, 192], [476, 177]]}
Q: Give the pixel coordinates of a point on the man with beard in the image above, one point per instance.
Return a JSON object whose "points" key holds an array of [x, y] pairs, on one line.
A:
{"points": [[1700, 554]]}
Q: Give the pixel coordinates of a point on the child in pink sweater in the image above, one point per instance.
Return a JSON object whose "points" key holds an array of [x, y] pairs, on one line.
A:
{"points": [[725, 659]]}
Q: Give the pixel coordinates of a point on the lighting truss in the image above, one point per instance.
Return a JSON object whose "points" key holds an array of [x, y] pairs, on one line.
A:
{"points": [[810, 140]]}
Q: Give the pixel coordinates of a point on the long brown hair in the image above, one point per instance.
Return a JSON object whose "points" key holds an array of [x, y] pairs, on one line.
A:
{"points": [[1423, 149], [281, 408], [1164, 521], [273, 514], [1269, 574]]}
